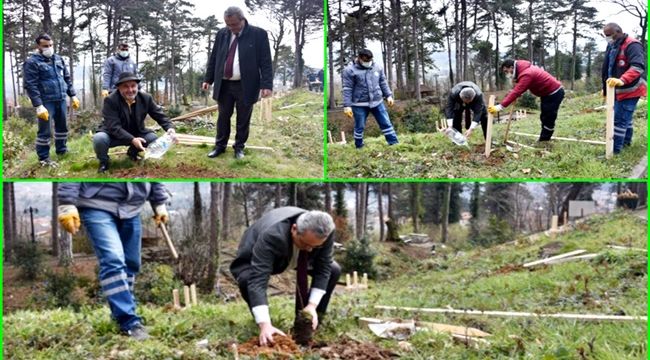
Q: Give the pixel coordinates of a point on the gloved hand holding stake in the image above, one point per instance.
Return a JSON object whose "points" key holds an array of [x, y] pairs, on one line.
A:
{"points": [[69, 218]]}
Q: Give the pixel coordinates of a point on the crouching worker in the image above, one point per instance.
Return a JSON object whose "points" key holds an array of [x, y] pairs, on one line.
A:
{"points": [[466, 98], [282, 239], [364, 89], [124, 113], [110, 212]]}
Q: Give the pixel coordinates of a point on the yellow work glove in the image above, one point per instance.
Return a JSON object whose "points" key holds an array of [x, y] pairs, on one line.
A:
{"points": [[160, 214], [69, 218], [494, 109], [75, 103], [41, 113], [104, 93], [348, 112], [390, 101], [614, 82]]}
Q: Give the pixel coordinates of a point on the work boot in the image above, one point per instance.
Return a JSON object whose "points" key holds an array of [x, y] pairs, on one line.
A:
{"points": [[47, 162], [103, 167], [138, 332], [239, 154], [133, 154]]}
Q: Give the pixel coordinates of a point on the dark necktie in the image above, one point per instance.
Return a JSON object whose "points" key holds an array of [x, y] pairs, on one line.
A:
{"points": [[301, 280], [227, 72]]}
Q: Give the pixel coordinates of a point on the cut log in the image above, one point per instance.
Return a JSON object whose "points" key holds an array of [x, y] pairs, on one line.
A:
{"points": [[609, 125], [573, 258], [543, 261], [193, 114], [595, 142], [595, 317], [488, 132]]}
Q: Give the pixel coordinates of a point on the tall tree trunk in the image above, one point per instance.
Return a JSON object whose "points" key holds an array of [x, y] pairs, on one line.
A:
{"points": [[225, 212], [445, 213], [574, 48], [416, 57], [530, 30], [380, 207], [389, 196], [213, 244], [328, 197], [278, 195], [55, 219], [331, 99], [415, 206], [46, 20], [198, 210], [71, 49], [8, 230], [396, 8], [293, 194]]}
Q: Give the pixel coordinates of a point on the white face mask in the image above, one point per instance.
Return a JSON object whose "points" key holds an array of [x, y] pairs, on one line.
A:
{"points": [[366, 63], [47, 52], [124, 54], [610, 39], [509, 76]]}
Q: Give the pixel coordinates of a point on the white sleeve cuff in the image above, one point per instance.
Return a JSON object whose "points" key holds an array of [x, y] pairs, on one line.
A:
{"points": [[474, 124], [450, 122], [499, 107], [316, 295], [261, 314]]}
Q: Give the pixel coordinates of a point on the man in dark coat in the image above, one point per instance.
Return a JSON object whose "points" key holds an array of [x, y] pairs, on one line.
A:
{"points": [[239, 66], [463, 98], [124, 113], [287, 238]]}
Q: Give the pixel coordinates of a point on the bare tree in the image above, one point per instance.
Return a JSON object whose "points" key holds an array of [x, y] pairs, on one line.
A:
{"points": [[380, 207], [638, 9], [445, 214], [54, 222], [225, 211]]}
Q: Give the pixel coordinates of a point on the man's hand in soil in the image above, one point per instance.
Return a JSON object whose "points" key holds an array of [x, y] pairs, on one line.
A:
{"points": [[266, 333], [311, 309], [138, 143]]}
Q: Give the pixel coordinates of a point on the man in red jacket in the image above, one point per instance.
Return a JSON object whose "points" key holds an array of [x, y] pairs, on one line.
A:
{"points": [[623, 68], [529, 77]]}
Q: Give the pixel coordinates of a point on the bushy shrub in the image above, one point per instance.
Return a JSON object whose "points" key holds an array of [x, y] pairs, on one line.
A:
{"points": [[528, 100], [155, 283], [359, 257], [174, 111], [29, 259], [496, 231], [417, 118], [60, 288]]}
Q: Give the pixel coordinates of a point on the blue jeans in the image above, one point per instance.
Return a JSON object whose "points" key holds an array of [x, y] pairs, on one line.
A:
{"points": [[381, 115], [623, 111], [117, 246], [57, 111]]}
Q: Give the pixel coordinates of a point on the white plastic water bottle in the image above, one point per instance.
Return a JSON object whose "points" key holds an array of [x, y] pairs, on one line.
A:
{"points": [[455, 136], [158, 148]]}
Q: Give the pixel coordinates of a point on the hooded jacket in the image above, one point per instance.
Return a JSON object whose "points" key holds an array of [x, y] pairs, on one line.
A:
{"points": [[364, 86], [533, 78]]}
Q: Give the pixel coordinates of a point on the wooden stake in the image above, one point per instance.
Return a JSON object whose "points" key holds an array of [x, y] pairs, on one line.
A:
{"points": [[186, 292], [595, 142], [168, 240], [505, 139], [365, 280], [235, 351], [543, 261], [196, 113], [566, 218], [177, 299], [626, 248], [573, 258], [329, 137], [609, 124], [355, 279], [195, 301], [488, 135], [516, 314], [343, 138], [347, 281], [554, 221]]}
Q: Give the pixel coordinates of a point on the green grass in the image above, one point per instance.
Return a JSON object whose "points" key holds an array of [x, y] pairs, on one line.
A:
{"points": [[295, 134], [616, 283], [432, 155]]}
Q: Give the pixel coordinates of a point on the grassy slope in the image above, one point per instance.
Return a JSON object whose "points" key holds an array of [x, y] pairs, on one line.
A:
{"points": [[434, 156], [295, 134], [616, 282]]}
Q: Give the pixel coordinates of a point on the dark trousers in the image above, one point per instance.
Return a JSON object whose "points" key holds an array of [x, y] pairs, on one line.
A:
{"points": [[321, 309], [458, 120], [231, 97], [549, 106], [102, 142], [57, 111]]}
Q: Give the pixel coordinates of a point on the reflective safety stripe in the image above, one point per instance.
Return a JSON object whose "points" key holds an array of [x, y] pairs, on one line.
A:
{"points": [[116, 290], [112, 279]]}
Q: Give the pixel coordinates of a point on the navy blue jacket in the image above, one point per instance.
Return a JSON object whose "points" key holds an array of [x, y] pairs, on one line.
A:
{"points": [[255, 64], [47, 79]]}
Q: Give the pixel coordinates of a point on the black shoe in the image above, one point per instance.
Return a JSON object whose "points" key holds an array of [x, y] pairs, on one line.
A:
{"points": [[216, 152], [239, 154], [103, 167]]}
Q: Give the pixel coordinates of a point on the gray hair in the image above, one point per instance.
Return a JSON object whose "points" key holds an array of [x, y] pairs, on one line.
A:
{"points": [[467, 94], [318, 222], [614, 26], [234, 11]]}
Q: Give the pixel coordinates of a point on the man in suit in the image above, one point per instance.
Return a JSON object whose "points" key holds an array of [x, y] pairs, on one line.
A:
{"points": [[124, 113], [239, 66], [287, 238], [110, 212]]}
